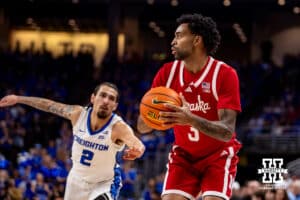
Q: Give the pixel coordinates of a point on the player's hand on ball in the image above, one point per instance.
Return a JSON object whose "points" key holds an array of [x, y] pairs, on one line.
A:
{"points": [[178, 115], [132, 153]]}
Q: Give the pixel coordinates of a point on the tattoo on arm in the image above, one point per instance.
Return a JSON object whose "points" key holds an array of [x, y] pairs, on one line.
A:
{"points": [[221, 130], [61, 110], [47, 105]]}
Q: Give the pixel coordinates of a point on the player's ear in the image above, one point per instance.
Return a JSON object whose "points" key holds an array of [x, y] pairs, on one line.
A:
{"points": [[197, 40], [92, 98], [116, 106]]}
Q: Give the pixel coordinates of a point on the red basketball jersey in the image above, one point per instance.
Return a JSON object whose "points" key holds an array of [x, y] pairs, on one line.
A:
{"points": [[215, 87]]}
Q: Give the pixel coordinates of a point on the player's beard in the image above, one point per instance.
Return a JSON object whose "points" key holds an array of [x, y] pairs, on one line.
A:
{"points": [[102, 114], [181, 55]]}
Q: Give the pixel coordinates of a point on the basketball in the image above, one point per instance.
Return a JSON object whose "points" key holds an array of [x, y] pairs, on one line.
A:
{"points": [[152, 103]]}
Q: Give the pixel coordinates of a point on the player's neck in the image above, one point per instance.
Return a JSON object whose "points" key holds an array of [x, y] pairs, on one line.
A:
{"points": [[97, 123], [196, 62]]}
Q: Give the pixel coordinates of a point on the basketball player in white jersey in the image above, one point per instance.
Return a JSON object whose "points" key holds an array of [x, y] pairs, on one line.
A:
{"points": [[99, 134]]}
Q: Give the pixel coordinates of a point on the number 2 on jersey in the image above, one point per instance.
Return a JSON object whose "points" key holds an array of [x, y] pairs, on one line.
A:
{"points": [[194, 135], [86, 157]]}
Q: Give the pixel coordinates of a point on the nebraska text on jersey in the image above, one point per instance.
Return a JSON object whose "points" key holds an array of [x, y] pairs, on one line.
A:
{"points": [[199, 106]]}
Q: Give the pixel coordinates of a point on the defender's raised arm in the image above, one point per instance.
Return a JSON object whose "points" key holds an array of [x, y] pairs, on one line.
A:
{"points": [[70, 112]]}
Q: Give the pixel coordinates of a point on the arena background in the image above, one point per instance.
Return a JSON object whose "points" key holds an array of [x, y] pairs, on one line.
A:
{"points": [[60, 49]]}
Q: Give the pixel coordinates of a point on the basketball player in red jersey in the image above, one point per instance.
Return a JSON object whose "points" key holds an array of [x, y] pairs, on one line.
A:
{"points": [[204, 155]]}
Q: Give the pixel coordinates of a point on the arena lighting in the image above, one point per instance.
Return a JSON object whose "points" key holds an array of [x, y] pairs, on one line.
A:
{"points": [[152, 24], [161, 34], [75, 1], [296, 10], [156, 29], [72, 22], [281, 2], [150, 2], [174, 3], [236, 26], [55, 39], [243, 39], [226, 3], [29, 20], [240, 33], [32, 24]]}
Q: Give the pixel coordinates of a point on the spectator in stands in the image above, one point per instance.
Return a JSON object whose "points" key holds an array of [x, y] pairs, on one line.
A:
{"points": [[14, 193], [293, 190], [281, 194], [270, 194], [3, 183], [236, 191], [150, 192], [40, 188], [258, 195], [129, 177], [252, 186]]}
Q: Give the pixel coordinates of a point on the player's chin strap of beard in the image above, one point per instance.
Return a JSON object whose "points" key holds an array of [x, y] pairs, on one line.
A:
{"points": [[102, 197]]}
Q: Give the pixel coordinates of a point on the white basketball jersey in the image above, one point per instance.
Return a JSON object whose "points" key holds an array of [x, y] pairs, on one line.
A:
{"points": [[94, 153]]}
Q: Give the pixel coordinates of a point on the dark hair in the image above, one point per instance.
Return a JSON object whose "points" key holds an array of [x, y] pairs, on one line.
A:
{"points": [[205, 27], [109, 84]]}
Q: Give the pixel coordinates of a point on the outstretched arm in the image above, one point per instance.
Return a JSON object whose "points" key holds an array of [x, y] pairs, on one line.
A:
{"points": [[122, 132], [70, 112]]}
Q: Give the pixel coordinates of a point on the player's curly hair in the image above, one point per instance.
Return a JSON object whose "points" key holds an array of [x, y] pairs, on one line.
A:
{"points": [[205, 27]]}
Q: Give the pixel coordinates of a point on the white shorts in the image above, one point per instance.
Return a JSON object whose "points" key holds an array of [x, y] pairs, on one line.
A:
{"points": [[79, 189]]}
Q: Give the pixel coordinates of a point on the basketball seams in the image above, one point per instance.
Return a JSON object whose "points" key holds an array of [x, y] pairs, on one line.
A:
{"points": [[166, 95], [154, 108]]}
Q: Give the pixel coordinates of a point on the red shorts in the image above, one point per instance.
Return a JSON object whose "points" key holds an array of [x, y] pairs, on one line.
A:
{"points": [[212, 175]]}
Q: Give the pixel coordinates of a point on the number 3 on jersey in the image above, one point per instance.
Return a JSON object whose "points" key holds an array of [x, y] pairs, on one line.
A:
{"points": [[86, 157], [194, 135]]}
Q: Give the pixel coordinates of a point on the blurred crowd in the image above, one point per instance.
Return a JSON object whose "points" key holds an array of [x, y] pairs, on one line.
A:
{"points": [[270, 96], [35, 146], [255, 190]]}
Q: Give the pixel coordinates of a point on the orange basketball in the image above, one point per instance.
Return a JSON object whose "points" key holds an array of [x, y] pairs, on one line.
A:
{"points": [[152, 103]]}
